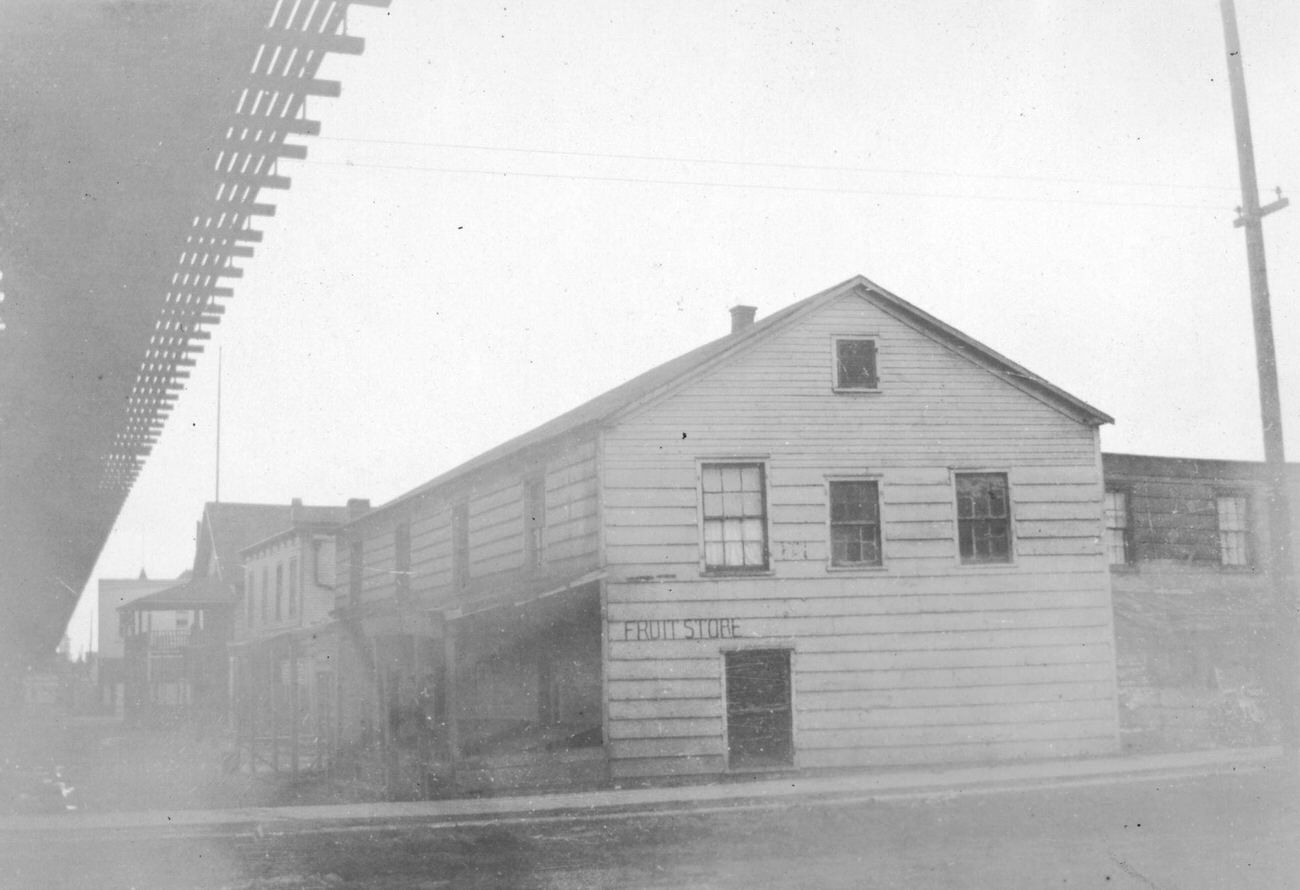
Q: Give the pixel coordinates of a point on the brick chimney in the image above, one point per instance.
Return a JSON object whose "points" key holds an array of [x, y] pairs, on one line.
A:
{"points": [[295, 507], [358, 507], [742, 317]]}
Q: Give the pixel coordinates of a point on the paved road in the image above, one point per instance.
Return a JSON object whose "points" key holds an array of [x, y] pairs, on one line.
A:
{"points": [[1230, 831]]}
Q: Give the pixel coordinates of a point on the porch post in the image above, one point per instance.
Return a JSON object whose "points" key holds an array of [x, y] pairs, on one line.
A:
{"points": [[273, 671], [452, 681]]}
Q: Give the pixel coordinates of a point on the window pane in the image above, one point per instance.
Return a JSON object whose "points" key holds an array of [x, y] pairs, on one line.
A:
{"points": [[753, 553], [750, 478], [733, 553], [733, 504], [713, 505], [751, 503], [731, 478], [712, 530], [712, 478], [713, 554]]}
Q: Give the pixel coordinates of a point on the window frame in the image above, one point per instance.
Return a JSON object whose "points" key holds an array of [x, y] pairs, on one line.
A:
{"points": [[702, 464], [976, 562], [1129, 542], [831, 564], [1246, 531], [874, 340]]}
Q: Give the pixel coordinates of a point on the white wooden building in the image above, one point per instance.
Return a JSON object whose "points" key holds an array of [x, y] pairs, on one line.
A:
{"points": [[846, 535]]}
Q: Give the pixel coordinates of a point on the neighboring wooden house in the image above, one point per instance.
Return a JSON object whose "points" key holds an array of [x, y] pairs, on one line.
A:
{"points": [[283, 654], [176, 673], [109, 646], [1188, 543], [847, 535]]}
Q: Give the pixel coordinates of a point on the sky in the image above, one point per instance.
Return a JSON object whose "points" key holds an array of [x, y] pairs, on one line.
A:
{"points": [[515, 207]]}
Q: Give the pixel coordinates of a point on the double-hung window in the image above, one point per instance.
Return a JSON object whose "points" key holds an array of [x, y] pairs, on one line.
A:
{"points": [[1119, 544], [855, 522], [983, 518], [735, 516], [1234, 530]]}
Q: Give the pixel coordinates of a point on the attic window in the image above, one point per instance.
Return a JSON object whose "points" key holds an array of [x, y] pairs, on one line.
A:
{"points": [[855, 365]]}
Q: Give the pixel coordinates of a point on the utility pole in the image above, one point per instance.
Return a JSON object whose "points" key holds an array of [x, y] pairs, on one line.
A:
{"points": [[1285, 672]]}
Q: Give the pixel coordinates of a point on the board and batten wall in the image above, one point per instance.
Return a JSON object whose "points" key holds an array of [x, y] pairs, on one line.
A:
{"points": [[921, 660]]}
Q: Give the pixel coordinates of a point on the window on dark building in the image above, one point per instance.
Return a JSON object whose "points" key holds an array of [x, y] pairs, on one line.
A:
{"points": [[1234, 529], [293, 587], [735, 516], [855, 523], [855, 364], [279, 591], [250, 585], [266, 594], [983, 518], [1119, 542]]}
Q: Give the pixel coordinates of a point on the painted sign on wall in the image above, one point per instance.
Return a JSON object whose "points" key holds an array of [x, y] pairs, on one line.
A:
{"points": [[656, 629]]}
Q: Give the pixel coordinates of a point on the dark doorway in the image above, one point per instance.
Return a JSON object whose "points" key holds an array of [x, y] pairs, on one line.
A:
{"points": [[759, 726]]}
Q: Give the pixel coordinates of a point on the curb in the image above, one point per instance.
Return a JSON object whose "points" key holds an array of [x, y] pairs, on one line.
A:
{"points": [[840, 790]]}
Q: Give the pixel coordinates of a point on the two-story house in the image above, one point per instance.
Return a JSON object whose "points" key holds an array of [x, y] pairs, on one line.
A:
{"points": [[1199, 639], [175, 662], [283, 651], [847, 535]]}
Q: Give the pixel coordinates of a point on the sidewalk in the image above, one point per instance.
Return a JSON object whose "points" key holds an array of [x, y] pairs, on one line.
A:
{"points": [[844, 788]]}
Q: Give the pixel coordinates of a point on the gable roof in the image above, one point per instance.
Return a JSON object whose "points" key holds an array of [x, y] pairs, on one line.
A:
{"points": [[228, 528], [678, 371]]}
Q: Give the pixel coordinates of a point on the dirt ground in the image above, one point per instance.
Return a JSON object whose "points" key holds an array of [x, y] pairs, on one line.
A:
{"points": [[1234, 831], [1221, 832]]}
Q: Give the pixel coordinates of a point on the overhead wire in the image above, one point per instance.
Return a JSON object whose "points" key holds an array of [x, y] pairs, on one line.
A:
{"points": [[782, 165], [700, 183]]}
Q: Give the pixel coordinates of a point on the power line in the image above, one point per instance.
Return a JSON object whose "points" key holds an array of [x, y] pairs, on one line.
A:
{"points": [[778, 164], [1041, 199]]}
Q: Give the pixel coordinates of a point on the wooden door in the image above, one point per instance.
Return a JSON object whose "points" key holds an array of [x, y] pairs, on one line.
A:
{"points": [[759, 715]]}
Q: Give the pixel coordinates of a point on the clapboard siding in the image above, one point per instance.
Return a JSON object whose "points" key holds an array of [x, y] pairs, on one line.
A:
{"points": [[495, 506], [921, 654]]}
